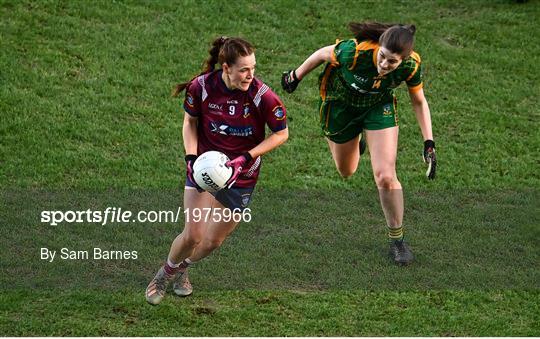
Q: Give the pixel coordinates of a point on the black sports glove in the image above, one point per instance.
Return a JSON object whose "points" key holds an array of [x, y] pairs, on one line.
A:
{"points": [[190, 159], [289, 81], [430, 159]]}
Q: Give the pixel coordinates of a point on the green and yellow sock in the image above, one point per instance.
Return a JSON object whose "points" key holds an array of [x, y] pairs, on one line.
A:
{"points": [[395, 233]]}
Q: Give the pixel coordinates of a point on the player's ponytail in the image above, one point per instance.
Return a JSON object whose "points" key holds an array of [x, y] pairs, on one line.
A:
{"points": [[395, 37], [210, 63], [223, 50], [368, 30]]}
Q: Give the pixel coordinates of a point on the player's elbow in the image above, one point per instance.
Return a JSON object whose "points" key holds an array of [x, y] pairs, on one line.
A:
{"points": [[285, 135], [325, 54], [419, 104], [417, 98], [282, 135]]}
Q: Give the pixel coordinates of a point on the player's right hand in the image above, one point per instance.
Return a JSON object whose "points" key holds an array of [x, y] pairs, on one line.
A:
{"points": [[190, 159], [289, 81]]}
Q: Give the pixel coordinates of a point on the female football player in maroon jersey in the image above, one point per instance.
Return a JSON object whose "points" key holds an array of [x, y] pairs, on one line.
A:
{"points": [[227, 110], [357, 99]]}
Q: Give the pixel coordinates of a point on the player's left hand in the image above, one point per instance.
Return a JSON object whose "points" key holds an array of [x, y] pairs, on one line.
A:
{"points": [[190, 160], [237, 164], [430, 159]]}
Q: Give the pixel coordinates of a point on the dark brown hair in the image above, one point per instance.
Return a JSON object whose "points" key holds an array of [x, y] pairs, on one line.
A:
{"points": [[396, 37], [223, 50]]}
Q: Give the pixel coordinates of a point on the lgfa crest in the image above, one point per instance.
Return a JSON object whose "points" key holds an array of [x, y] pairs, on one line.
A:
{"points": [[246, 111]]}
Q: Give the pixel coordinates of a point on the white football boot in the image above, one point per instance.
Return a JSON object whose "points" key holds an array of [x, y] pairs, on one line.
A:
{"points": [[182, 285], [157, 287]]}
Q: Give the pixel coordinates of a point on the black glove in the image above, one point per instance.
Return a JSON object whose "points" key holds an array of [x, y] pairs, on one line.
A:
{"points": [[430, 159], [190, 159], [289, 81]]}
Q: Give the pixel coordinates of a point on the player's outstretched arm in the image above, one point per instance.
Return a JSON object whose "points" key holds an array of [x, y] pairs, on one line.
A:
{"points": [[423, 116], [291, 78], [272, 141]]}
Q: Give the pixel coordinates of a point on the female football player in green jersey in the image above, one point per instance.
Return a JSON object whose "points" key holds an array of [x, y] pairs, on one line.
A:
{"points": [[357, 103]]}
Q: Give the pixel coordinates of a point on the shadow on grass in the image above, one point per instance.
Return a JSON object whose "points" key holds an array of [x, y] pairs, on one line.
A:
{"points": [[296, 240]]}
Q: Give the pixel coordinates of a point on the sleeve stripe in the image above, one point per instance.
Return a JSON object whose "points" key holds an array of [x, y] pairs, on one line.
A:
{"points": [[416, 88], [416, 57], [364, 46], [260, 93], [356, 52], [413, 72], [201, 82], [190, 111], [333, 57], [322, 89], [254, 166]]}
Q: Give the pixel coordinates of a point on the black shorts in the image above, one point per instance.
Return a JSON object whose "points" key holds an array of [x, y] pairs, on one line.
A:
{"points": [[234, 198]]}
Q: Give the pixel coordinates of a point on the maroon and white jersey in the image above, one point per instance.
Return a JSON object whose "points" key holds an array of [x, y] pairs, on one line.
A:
{"points": [[233, 121]]}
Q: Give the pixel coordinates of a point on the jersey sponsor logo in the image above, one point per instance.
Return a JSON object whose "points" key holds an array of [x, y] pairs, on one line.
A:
{"points": [[215, 107], [246, 111], [355, 86], [189, 100], [279, 113], [360, 79], [224, 129], [359, 90]]}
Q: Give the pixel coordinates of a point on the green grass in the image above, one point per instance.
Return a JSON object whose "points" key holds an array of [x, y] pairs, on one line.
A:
{"points": [[288, 313], [87, 122], [491, 246]]}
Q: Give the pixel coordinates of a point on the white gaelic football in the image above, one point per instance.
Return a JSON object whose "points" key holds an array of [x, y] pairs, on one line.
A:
{"points": [[210, 172]]}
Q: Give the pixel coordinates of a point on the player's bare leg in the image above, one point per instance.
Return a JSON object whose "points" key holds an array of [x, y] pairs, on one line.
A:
{"points": [[362, 145], [181, 248], [184, 245], [214, 235], [383, 150], [346, 156], [216, 232], [195, 204]]}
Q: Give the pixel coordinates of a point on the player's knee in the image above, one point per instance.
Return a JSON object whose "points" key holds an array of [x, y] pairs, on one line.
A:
{"points": [[192, 239], [385, 180], [212, 244], [346, 172]]}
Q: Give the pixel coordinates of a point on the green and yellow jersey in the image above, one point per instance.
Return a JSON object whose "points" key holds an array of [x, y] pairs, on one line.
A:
{"points": [[352, 75]]}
